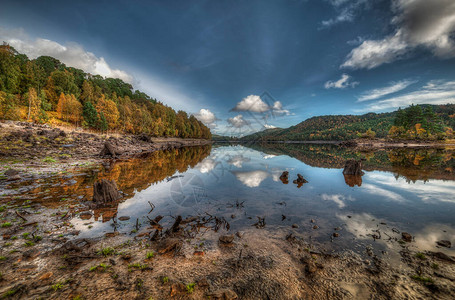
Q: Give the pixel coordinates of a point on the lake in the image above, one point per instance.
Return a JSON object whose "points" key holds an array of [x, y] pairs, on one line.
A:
{"points": [[410, 190]]}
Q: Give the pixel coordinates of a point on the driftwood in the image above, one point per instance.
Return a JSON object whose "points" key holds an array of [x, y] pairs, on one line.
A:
{"points": [[105, 191], [353, 167]]}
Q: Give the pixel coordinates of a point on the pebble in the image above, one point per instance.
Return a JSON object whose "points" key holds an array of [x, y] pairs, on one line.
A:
{"points": [[227, 239]]}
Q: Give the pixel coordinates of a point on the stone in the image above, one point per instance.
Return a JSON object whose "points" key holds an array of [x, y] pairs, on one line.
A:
{"points": [[443, 256], [11, 172], [406, 237], [335, 234], [295, 226], [168, 245], [227, 239], [315, 227], [444, 243], [223, 295], [109, 150], [240, 234], [284, 177], [124, 218]]}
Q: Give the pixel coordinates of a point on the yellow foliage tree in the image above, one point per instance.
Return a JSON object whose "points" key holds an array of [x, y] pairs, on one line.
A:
{"points": [[69, 108], [110, 111], [34, 103]]}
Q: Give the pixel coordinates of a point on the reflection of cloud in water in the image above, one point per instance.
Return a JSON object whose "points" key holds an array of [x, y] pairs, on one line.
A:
{"points": [[432, 191], [206, 165], [362, 227], [268, 156], [338, 199], [389, 195], [427, 237], [238, 160], [251, 178]]}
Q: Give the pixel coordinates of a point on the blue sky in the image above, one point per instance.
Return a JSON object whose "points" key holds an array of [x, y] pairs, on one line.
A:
{"points": [[252, 64]]}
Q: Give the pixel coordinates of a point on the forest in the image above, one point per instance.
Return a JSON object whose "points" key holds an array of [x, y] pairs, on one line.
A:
{"points": [[417, 122], [45, 90]]}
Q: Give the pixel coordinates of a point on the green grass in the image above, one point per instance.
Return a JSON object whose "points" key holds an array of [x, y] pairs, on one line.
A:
{"points": [[190, 287], [2, 257], [102, 267], [57, 286], [7, 244], [165, 280], [150, 255], [420, 255], [49, 160], [107, 251], [6, 224], [14, 237], [8, 294], [138, 266], [2, 208], [25, 235], [422, 279], [29, 244], [435, 266]]}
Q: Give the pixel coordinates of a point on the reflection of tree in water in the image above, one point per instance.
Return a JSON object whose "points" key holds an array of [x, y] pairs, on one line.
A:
{"points": [[130, 175], [138, 174], [411, 163]]}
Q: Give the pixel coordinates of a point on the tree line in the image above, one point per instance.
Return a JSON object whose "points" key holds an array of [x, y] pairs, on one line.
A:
{"points": [[45, 90], [417, 122]]}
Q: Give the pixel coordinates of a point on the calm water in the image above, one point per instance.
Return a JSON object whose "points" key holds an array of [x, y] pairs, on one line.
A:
{"points": [[402, 190]]}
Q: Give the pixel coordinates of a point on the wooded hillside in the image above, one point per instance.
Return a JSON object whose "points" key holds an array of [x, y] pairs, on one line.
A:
{"points": [[45, 90]]}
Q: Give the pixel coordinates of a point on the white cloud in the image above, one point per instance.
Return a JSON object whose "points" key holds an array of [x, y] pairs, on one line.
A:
{"points": [[71, 54], [238, 160], [378, 191], [435, 92], [206, 165], [267, 126], [277, 108], [420, 23], [337, 198], [347, 11], [206, 117], [392, 88], [238, 121], [341, 83], [252, 103], [251, 178]]}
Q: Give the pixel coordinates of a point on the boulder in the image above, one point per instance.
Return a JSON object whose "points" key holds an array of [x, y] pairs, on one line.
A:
{"points": [[105, 191], [11, 172], [227, 239], [353, 167], [109, 150], [406, 237], [168, 245]]}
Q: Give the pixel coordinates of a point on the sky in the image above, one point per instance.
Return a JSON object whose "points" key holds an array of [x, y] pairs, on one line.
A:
{"points": [[244, 66]]}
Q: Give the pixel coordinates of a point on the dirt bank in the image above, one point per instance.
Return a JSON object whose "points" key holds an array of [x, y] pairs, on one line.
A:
{"points": [[46, 149]]}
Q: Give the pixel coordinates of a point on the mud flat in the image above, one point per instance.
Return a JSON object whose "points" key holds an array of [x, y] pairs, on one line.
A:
{"points": [[198, 257]]}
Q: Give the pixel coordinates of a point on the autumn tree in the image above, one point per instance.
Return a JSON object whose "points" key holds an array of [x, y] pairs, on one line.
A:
{"points": [[34, 105]]}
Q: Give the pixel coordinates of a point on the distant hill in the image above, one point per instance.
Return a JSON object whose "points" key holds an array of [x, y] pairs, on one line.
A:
{"points": [[344, 127]]}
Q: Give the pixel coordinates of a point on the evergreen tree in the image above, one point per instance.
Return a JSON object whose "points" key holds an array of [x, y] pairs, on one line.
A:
{"points": [[90, 115]]}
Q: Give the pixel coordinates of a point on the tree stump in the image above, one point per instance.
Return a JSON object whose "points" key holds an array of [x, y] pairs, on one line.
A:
{"points": [[108, 150], [353, 167], [105, 191]]}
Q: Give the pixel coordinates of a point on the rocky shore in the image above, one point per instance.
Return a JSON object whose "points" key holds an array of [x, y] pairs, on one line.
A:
{"points": [[33, 146]]}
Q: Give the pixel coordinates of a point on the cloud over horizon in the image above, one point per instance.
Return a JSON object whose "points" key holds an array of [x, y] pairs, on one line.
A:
{"points": [[341, 83], [419, 23], [434, 92], [206, 117], [380, 92], [71, 54]]}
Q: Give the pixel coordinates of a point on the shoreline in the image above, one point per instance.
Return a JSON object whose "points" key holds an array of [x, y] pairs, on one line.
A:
{"points": [[51, 149]]}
